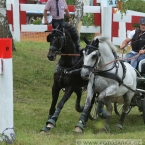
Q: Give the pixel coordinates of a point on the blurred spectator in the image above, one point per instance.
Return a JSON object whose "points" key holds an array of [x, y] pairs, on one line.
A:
{"points": [[57, 9]]}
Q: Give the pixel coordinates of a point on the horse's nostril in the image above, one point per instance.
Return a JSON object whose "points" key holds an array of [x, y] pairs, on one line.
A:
{"points": [[51, 58]]}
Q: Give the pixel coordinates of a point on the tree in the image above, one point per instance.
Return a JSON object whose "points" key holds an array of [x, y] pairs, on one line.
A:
{"points": [[78, 14], [4, 26]]}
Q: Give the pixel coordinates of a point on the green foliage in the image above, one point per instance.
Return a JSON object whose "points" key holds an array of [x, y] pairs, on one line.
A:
{"points": [[38, 21], [135, 5], [70, 2], [88, 20], [135, 25], [89, 36]]}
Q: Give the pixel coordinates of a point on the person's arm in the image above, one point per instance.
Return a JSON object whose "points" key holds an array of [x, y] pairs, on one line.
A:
{"points": [[124, 43], [69, 16], [142, 51], [45, 17]]}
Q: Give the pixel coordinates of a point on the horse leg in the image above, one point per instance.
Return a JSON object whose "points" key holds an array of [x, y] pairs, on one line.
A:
{"points": [[52, 121], [85, 114], [55, 94], [107, 114], [111, 90], [78, 92], [127, 100]]}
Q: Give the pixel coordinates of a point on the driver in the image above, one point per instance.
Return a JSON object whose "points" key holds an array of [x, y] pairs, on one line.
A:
{"points": [[137, 37]]}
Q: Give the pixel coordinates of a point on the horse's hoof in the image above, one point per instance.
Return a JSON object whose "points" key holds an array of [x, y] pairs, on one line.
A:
{"points": [[78, 129], [45, 130], [103, 130], [119, 126], [104, 114], [50, 125]]}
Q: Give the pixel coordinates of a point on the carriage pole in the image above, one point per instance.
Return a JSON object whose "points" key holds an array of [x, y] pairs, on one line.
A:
{"points": [[6, 90]]}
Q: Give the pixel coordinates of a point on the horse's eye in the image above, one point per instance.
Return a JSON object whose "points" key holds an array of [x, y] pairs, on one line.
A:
{"points": [[94, 56]]}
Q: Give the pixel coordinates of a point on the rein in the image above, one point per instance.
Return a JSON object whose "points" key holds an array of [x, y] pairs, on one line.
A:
{"points": [[117, 60], [69, 54]]}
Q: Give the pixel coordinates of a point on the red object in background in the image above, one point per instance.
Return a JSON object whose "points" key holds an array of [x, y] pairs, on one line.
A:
{"points": [[129, 26], [23, 1], [43, 1], [71, 8], [49, 28], [136, 19], [6, 48], [22, 16], [95, 2], [97, 19], [115, 28], [119, 5]]}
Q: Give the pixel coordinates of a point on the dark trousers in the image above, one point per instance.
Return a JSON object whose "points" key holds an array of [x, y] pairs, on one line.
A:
{"points": [[56, 22]]}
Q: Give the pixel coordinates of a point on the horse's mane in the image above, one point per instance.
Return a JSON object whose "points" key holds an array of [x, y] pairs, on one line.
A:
{"points": [[105, 39], [72, 31]]}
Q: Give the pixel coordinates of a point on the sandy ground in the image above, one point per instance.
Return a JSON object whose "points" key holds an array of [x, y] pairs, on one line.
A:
{"points": [[34, 36], [41, 37]]}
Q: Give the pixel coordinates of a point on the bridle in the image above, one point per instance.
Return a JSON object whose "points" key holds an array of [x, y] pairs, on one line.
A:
{"points": [[93, 48], [62, 41]]}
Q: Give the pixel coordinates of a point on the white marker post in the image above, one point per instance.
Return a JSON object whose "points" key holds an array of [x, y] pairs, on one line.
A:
{"points": [[6, 91]]}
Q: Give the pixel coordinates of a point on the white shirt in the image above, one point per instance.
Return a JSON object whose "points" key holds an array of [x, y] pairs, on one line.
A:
{"points": [[130, 35]]}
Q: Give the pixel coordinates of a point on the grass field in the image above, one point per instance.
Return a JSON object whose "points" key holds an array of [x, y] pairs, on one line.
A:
{"points": [[33, 79]]}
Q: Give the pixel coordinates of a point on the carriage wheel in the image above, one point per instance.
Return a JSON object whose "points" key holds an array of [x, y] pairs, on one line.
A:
{"points": [[118, 108], [93, 114], [144, 110]]}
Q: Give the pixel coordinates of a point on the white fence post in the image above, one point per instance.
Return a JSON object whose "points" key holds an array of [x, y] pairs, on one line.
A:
{"points": [[16, 20], [106, 20], [6, 90]]}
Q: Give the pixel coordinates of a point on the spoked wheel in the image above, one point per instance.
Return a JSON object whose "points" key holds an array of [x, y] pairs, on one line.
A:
{"points": [[118, 108], [144, 110], [93, 114]]}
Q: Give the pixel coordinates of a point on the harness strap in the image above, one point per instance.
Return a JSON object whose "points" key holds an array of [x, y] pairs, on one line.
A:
{"points": [[74, 69], [118, 79], [124, 69]]}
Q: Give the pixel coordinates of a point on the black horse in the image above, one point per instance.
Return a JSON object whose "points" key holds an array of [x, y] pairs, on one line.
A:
{"points": [[64, 41]]}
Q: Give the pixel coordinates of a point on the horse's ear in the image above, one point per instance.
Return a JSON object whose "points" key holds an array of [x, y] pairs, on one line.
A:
{"points": [[96, 42], [86, 40], [81, 52], [48, 38]]}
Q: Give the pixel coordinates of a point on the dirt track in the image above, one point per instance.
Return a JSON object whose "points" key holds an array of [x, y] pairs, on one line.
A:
{"points": [[34, 36]]}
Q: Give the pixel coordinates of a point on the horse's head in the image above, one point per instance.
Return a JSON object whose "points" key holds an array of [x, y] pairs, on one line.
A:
{"points": [[91, 56], [57, 41]]}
